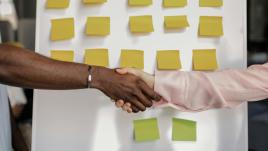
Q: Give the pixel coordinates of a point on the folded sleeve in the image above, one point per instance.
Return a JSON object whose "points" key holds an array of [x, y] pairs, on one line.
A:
{"points": [[198, 91]]}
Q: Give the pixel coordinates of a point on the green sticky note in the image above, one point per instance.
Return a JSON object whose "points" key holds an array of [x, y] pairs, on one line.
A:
{"points": [[211, 26], [62, 55], [141, 24], [210, 3], [146, 130], [132, 59], [98, 26], [57, 4], [176, 22], [205, 59], [183, 130], [62, 29], [168, 60], [174, 3], [94, 1], [140, 2], [97, 57]]}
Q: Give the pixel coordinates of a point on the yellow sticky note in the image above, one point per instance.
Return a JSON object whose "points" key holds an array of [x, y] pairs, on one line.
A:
{"points": [[146, 130], [140, 2], [174, 3], [57, 4], [176, 22], [141, 24], [62, 29], [183, 130], [94, 1], [97, 57], [205, 60], [211, 26], [168, 60], [210, 3], [132, 59], [98, 26], [62, 55]]}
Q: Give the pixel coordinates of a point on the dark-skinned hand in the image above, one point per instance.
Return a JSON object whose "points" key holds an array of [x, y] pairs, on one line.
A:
{"points": [[128, 87]]}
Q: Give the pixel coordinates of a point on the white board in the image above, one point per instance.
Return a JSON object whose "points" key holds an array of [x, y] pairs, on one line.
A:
{"points": [[85, 120]]}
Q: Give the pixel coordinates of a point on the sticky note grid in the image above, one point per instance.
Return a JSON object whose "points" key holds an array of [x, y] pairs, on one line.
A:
{"points": [[209, 27]]}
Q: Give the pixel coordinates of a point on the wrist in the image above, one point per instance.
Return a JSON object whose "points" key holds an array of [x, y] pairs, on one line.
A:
{"points": [[95, 79]]}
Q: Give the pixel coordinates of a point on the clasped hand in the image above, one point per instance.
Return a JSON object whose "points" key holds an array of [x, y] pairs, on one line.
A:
{"points": [[126, 87]]}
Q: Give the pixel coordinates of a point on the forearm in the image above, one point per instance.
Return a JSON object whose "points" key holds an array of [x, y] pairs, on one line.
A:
{"points": [[195, 91], [23, 68]]}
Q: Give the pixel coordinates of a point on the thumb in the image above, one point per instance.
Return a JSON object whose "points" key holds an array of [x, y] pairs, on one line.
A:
{"points": [[129, 70], [122, 70]]}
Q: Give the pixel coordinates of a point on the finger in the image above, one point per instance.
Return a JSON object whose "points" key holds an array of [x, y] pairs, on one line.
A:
{"points": [[119, 103], [138, 104], [147, 102], [149, 92], [134, 109], [122, 71], [129, 110], [126, 106]]}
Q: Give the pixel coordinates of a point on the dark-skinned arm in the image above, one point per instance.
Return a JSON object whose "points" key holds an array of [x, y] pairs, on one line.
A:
{"points": [[24, 68]]}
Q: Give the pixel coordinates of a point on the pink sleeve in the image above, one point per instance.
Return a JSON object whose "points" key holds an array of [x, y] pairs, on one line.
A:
{"points": [[198, 91]]}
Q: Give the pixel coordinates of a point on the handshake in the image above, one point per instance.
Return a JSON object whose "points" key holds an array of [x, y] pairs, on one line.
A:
{"points": [[132, 90]]}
